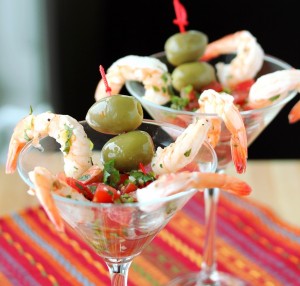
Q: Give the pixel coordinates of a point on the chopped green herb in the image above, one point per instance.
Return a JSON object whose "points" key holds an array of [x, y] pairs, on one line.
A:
{"points": [[189, 88], [275, 97], [92, 188], [111, 175], [156, 89], [165, 77], [178, 103], [140, 178], [68, 134], [188, 153], [84, 177]]}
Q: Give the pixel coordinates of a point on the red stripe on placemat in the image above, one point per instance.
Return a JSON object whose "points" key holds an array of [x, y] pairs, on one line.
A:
{"points": [[268, 249], [261, 233], [72, 253], [33, 257]]}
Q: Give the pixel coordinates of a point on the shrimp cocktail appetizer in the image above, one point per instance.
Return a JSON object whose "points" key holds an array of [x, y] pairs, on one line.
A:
{"points": [[116, 179], [230, 81]]}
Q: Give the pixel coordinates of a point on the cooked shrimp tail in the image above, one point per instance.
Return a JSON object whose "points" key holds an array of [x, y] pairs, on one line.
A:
{"points": [[150, 71], [244, 66], [294, 114], [222, 104], [67, 131], [169, 184], [272, 87], [20, 136], [43, 185], [183, 151]]}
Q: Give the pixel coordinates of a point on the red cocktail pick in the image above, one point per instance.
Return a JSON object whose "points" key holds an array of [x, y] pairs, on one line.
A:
{"points": [[181, 16], [107, 87]]}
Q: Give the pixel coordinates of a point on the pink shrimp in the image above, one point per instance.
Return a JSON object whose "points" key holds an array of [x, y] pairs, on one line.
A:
{"points": [[66, 130], [248, 61], [274, 86], [222, 104], [173, 183], [294, 114]]}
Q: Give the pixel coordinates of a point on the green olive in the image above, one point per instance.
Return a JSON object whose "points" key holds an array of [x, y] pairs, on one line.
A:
{"points": [[185, 47], [197, 74], [115, 114], [128, 150]]}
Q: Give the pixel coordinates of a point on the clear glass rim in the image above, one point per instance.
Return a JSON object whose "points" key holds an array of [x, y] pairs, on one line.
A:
{"points": [[245, 113], [126, 205]]}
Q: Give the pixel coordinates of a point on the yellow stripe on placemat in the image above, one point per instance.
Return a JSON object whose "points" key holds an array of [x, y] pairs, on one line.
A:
{"points": [[75, 245], [145, 273], [228, 256], [180, 246], [89, 274], [32, 261], [4, 281]]}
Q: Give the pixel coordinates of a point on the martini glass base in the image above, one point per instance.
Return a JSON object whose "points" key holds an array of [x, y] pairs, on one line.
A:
{"points": [[194, 279]]}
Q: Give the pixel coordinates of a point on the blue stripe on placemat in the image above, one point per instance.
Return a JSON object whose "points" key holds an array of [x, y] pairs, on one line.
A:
{"points": [[23, 277], [52, 251], [263, 217]]}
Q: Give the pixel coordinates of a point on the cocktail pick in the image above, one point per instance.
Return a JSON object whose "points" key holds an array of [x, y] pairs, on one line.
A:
{"points": [[107, 87], [181, 16]]}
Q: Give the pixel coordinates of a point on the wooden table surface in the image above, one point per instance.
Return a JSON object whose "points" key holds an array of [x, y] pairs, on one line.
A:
{"points": [[275, 183]]}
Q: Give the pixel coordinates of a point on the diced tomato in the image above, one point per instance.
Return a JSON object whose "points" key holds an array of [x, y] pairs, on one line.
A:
{"points": [[130, 187], [123, 178], [244, 85], [215, 85], [105, 194], [192, 105], [92, 175], [79, 187], [241, 91], [240, 97], [142, 168]]}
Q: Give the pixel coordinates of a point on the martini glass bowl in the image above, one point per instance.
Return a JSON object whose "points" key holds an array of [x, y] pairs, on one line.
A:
{"points": [[255, 121], [116, 232]]}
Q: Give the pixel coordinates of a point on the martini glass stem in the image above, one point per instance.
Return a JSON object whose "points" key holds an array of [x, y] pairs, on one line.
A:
{"points": [[118, 273], [208, 267], [208, 274]]}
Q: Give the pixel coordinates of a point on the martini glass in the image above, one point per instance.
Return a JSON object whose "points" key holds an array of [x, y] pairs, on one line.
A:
{"points": [[116, 232], [255, 121]]}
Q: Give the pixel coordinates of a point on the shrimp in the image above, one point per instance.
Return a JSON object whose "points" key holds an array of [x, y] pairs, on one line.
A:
{"points": [[170, 184], [181, 152], [222, 104], [294, 114], [150, 71], [248, 61], [45, 183], [66, 130], [272, 87]]}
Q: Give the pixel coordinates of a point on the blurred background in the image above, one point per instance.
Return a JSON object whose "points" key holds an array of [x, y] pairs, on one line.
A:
{"points": [[50, 52]]}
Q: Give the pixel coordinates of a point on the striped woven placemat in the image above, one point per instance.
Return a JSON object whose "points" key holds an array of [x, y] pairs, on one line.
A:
{"points": [[252, 243]]}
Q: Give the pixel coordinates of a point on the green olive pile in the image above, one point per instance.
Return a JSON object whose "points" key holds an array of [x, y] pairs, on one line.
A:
{"points": [[183, 51], [121, 115]]}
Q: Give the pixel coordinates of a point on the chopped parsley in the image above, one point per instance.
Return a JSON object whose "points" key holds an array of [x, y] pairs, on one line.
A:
{"points": [[275, 97], [68, 133], [111, 175], [187, 153], [178, 103]]}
